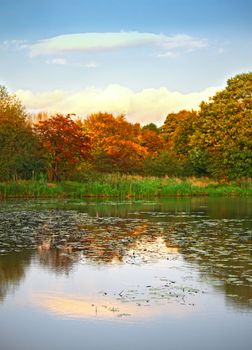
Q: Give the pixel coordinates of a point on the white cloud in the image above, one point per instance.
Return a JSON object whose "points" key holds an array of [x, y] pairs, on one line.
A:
{"points": [[93, 42], [168, 54], [59, 61], [14, 45], [91, 65], [182, 41], [64, 62], [42, 100], [145, 106]]}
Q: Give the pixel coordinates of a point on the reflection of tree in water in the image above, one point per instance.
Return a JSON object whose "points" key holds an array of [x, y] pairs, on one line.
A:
{"points": [[214, 208], [117, 241], [110, 243], [14, 265], [12, 271], [115, 233], [54, 259], [222, 250]]}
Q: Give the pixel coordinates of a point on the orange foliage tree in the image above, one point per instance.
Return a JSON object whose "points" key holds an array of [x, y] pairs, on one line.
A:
{"points": [[152, 141], [65, 145], [115, 143]]}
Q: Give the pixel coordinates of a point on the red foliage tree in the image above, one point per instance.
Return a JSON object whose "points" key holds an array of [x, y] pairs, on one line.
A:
{"points": [[65, 145]]}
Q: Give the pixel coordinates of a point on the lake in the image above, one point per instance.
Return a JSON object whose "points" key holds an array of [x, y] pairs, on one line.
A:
{"points": [[162, 274]]}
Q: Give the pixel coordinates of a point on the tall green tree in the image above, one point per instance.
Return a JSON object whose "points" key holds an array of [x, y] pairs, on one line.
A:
{"points": [[177, 129], [222, 138], [19, 149]]}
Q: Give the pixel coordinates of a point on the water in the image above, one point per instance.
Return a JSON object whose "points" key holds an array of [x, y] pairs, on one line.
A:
{"points": [[173, 274]]}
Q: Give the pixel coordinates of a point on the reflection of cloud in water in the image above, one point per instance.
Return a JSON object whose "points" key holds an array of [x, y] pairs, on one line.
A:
{"points": [[69, 306], [144, 250]]}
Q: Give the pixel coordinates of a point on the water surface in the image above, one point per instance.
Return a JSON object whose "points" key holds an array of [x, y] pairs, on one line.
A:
{"points": [[173, 274]]}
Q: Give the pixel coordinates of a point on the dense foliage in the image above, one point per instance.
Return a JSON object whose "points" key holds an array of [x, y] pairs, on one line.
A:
{"points": [[222, 139], [215, 141], [20, 154], [64, 144]]}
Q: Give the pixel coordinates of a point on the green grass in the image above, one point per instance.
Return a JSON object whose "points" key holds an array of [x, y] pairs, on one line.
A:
{"points": [[123, 186]]}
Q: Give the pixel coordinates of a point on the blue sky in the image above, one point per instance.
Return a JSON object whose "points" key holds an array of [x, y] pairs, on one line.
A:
{"points": [[116, 49]]}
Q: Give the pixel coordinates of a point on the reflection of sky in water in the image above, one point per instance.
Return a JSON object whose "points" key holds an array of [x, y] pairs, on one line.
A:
{"points": [[214, 237], [174, 273], [128, 290], [116, 291], [89, 303]]}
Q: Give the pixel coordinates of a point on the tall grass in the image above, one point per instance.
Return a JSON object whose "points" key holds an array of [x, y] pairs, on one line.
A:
{"points": [[124, 186]]}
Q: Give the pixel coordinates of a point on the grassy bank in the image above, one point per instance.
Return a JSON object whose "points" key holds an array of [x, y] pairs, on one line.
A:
{"points": [[123, 186]]}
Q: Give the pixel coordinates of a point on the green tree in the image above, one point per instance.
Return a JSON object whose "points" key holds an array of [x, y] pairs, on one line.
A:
{"points": [[20, 155], [152, 127], [177, 129], [223, 130], [165, 164]]}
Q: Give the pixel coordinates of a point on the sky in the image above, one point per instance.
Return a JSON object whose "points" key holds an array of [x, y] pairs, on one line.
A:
{"points": [[144, 58]]}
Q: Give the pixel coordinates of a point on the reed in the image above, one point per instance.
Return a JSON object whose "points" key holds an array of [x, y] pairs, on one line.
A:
{"points": [[124, 186]]}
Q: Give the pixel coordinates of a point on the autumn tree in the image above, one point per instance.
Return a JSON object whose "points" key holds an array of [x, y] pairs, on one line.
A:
{"points": [[151, 140], [115, 143], [65, 145], [222, 140], [20, 155]]}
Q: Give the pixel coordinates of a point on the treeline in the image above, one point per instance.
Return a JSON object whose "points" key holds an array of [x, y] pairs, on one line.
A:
{"points": [[215, 141]]}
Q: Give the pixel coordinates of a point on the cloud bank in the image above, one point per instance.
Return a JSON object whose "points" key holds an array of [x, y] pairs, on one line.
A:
{"points": [[99, 42], [145, 106]]}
